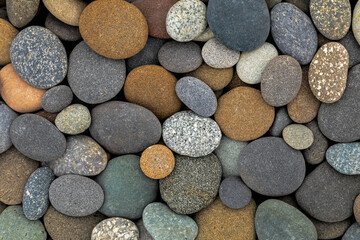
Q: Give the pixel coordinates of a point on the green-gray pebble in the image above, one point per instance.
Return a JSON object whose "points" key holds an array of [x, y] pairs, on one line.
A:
{"points": [[74, 119], [298, 136]]}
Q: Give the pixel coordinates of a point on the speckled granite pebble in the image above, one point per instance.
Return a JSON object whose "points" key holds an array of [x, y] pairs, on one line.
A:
{"points": [[143, 233], [56, 99], [298, 136], [344, 157], [68, 11], [234, 193], [62, 30], [8, 33], [7, 116], [353, 233], [115, 229], [21, 12], [331, 230], [315, 154], [73, 119], [282, 119], [217, 55], [352, 47]]}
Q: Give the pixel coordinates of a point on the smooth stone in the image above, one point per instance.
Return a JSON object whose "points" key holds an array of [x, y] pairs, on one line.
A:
{"points": [[56, 99], [75, 195], [303, 5], [281, 71], [356, 208], [36, 193], [217, 55], [331, 230], [93, 78], [315, 154], [242, 25], [293, 32], [344, 157], [83, 156], [328, 202], [189, 134], [353, 232], [143, 233], [197, 96], [116, 229], [7, 116], [270, 167], [127, 190], [163, 224], [67, 11], [15, 226], [328, 72], [8, 33], [356, 22], [109, 130], [298, 136], [180, 57], [21, 12], [234, 193], [74, 119], [48, 116], [282, 119], [352, 47], [186, 20], [272, 3], [62, 30], [228, 153], [279, 220], [37, 138], [252, 64], [15, 169], [205, 36]]}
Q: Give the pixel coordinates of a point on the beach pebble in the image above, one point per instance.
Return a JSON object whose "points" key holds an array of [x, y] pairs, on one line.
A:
{"points": [[205, 35], [8, 33], [115, 229], [281, 120], [143, 233], [62, 30], [272, 3], [344, 157], [353, 233], [352, 47], [298, 136], [217, 55], [73, 119], [67, 11], [7, 116], [315, 154], [331, 230], [356, 208], [303, 5], [56, 99], [48, 116], [21, 12], [356, 22], [234, 193]]}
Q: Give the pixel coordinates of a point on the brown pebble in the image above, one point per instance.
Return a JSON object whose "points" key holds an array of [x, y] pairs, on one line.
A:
{"points": [[15, 169], [49, 116], [7, 33], [327, 230], [67, 11], [114, 29], [243, 115], [236, 82], [357, 208]]}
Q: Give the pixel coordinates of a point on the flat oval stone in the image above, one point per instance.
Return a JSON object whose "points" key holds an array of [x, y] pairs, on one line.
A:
{"points": [[331, 230], [217, 55], [116, 229], [344, 157], [328, 72], [280, 72], [240, 25], [37, 138], [293, 32], [75, 195], [352, 47], [127, 190], [67, 11], [21, 12], [277, 218], [298, 136], [114, 121], [7, 116], [73, 119], [315, 154], [353, 232], [331, 18], [8, 33], [188, 134], [36, 193], [93, 78], [62, 30], [281, 120], [192, 185], [56, 99], [234, 193], [114, 29], [270, 167], [83, 156]]}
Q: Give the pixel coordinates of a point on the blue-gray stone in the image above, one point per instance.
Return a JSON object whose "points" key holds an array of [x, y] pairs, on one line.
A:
{"points": [[242, 25], [293, 32], [56, 99], [281, 120], [353, 233], [39, 57], [234, 193], [352, 47], [36, 193], [164, 224], [7, 116], [344, 157], [197, 96]]}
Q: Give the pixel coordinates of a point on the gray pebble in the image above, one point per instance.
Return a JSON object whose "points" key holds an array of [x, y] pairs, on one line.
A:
{"points": [[353, 233], [62, 30], [7, 116], [143, 233], [56, 99], [21, 12], [315, 154], [352, 47], [234, 193], [282, 119]]}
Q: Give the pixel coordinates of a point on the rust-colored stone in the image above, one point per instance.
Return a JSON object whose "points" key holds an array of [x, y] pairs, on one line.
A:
{"points": [[7, 33]]}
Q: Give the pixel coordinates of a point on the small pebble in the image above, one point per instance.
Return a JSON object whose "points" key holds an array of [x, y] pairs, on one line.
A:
{"points": [[62, 30], [356, 208], [68, 11], [7, 116], [352, 47], [21, 12], [115, 229], [272, 3], [234, 193], [217, 55], [56, 99], [205, 36], [143, 233], [298, 136], [331, 230], [8, 33], [344, 157], [281, 120], [315, 154], [356, 22], [73, 119]]}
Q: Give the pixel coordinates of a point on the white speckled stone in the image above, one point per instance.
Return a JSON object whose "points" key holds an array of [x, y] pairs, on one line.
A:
{"points": [[115, 229], [217, 55]]}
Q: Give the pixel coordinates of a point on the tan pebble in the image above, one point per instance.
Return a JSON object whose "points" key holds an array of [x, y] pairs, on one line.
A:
{"points": [[7, 33], [67, 11]]}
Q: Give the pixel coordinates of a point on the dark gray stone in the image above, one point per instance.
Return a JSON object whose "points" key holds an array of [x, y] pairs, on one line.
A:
{"points": [[353, 233], [315, 154], [75, 195], [36, 193], [21, 12], [93, 78], [234, 193], [293, 32], [331, 230], [39, 57], [271, 167], [7, 116], [37, 138], [353, 48], [282, 119], [242, 25], [62, 30], [56, 99]]}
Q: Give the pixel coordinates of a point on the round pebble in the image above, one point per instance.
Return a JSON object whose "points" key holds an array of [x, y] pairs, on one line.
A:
{"points": [[352, 47], [234, 193], [56, 99], [73, 119], [8, 33], [298, 136], [62, 30], [281, 120], [116, 229], [7, 115], [315, 154], [21, 12], [217, 55], [356, 208], [191, 135], [331, 230], [67, 11], [343, 157], [352, 233]]}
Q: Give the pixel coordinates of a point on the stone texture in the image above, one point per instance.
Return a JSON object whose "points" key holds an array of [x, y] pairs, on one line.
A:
{"points": [[56, 99], [115, 228], [143, 233], [62, 30], [298, 136], [21, 12], [67, 11], [73, 119], [352, 47], [331, 230], [303, 5], [272, 3], [8, 33], [217, 55], [352, 233], [7, 116], [356, 22], [344, 157], [205, 35], [48, 116], [234, 193], [315, 154], [282, 119], [356, 208]]}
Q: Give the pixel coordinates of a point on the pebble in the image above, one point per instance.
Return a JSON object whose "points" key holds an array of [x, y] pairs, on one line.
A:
{"points": [[15, 226], [205, 35], [252, 64], [56, 99], [240, 25], [73, 119], [127, 190], [18, 94], [293, 32], [7, 116], [331, 18], [328, 72], [243, 115], [275, 218], [153, 87], [270, 167], [116, 229], [143, 233], [281, 71], [157, 161], [189, 134], [220, 222], [356, 208], [67, 11], [83, 156], [344, 157], [328, 202], [217, 55], [8, 33], [315, 154], [109, 130], [37, 138], [163, 224], [48, 116], [352, 233], [186, 20], [75, 195], [36, 193], [352, 47], [298, 136], [106, 26], [272, 3], [234, 193], [192, 185], [180, 57], [21, 12], [197, 96], [62, 30], [331, 230], [228, 153], [93, 78], [281, 120], [303, 5], [15, 169]]}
